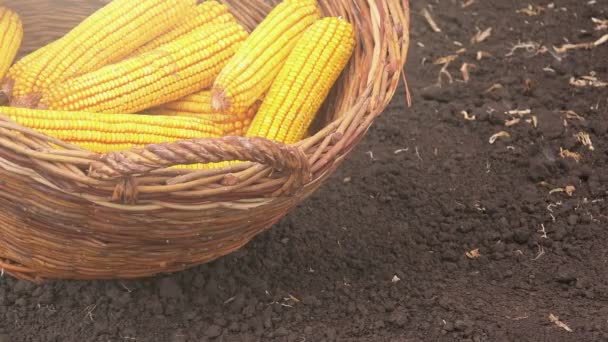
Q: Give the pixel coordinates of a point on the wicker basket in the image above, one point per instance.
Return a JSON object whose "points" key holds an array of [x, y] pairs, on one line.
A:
{"points": [[66, 213]]}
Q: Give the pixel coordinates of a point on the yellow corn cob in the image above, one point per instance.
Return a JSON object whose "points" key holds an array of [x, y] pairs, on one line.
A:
{"points": [[107, 36], [208, 11], [249, 74], [22, 63], [165, 74], [111, 132], [304, 81], [199, 105], [11, 34]]}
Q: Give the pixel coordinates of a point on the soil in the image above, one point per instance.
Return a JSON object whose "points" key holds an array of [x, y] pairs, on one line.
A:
{"points": [[429, 232]]}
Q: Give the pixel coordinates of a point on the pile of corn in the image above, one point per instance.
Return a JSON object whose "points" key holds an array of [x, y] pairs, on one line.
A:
{"points": [[151, 71]]}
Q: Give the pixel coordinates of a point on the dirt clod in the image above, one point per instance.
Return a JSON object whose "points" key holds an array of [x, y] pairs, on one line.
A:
{"points": [[169, 288], [213, 331]]}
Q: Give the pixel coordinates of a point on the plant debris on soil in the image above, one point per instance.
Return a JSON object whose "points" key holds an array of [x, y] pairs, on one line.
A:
{"points": [[441, 236]]}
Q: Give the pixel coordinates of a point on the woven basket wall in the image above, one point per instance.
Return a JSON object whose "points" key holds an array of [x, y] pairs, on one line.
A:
{"points": [[71, 214]]}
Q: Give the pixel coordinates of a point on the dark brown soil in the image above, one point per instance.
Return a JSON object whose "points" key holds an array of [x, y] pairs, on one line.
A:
{"points": [[379, 254]]}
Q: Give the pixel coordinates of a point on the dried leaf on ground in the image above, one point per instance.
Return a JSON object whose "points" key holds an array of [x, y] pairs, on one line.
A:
{"points": [[467, 3], [474, 254], [512, 122], [519, 112], [588, 81], [483, 54], [600, 24], [530, 47], [572, 115], [445, 60], [585, 139], [589, 45], [480, 36], [564, 153], [494, 86], [555, 320], [429, 19], [531, 11], [468, 116], [570, 189], [465, 71], [498, 135]]}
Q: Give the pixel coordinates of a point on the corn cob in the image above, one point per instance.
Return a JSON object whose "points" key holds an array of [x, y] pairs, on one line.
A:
{"points": [[208, 11], [168, 73], [199, 105], [304, 81], [249, 74], [11, 34], [107, 36], [103, 133], [17, 68], [25, 63]]}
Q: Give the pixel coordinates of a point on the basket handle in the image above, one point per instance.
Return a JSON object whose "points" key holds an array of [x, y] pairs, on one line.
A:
{"points": [[139, 161]]}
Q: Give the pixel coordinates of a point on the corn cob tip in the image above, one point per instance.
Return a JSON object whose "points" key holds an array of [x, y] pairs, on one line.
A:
{"points": [[27, 101], [219, 100], [6, 89]]}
